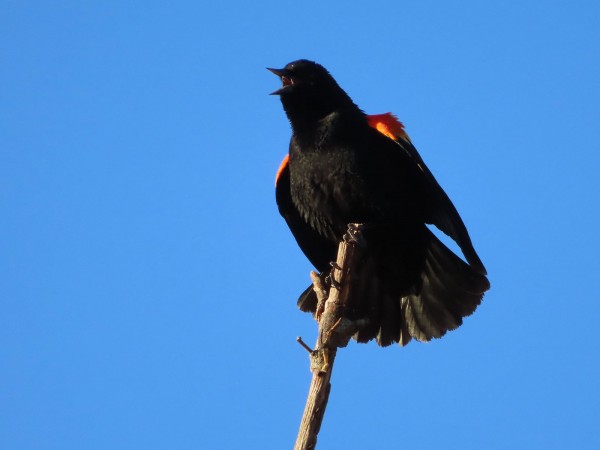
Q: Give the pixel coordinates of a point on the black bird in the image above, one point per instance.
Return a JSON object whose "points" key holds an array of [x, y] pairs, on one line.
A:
{"points": [[347, 167]]}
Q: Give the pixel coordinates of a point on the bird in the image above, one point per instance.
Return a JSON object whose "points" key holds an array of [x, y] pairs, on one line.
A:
{"points": [[343, 167]]}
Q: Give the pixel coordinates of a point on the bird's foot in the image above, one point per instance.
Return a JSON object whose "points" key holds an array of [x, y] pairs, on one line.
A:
{"points": [[354, 234], [330, 280]]}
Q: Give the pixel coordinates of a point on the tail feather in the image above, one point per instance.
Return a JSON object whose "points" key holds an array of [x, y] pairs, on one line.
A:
{"points": [[446, 290], [390, 325], [418, 321], [365, 287], [307, 301], [405, 336], [450, 290]]}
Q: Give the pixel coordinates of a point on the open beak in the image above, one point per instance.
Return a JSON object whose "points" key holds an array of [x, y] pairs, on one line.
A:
{"points": [[285, 80]]}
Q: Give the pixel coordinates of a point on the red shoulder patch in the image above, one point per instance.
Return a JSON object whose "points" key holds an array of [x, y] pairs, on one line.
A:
{"points": [[388, 125], [282, 167]]}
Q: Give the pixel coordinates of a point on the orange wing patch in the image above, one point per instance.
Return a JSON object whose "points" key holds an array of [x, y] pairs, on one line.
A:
{"points": [[282, 167], [388, 125]]}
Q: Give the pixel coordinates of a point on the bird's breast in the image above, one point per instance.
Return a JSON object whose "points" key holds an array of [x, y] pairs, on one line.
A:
{"points": [[327, 190]]}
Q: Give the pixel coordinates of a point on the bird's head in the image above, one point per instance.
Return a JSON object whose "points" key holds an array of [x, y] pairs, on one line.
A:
{"points": [[309, 92]]}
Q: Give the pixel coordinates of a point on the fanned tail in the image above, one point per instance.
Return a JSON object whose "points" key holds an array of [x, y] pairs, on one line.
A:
{"points": [[450, 290], [443, 290]]}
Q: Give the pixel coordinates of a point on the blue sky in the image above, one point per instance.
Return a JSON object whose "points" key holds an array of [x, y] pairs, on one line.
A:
{"points": [[148, 284]]}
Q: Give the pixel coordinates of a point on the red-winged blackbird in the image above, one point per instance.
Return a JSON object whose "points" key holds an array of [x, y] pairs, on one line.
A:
{"points": [[347, 167]]}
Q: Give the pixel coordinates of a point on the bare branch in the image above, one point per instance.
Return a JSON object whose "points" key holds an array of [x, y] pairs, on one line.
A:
{"points": [[303, 344], [334, 331]]}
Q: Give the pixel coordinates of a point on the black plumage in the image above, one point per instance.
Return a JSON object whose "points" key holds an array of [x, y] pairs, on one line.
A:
{"points": [[343, 170]]}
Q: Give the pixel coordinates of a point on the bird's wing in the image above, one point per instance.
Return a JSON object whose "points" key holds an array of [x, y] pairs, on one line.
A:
{"points": [[316, 247], [442, 214]]}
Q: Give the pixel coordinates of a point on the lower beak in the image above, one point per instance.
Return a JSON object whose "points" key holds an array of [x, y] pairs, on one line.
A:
{"points": [[281, 73]]}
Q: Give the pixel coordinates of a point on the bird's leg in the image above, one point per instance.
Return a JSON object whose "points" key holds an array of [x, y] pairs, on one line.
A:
{"points": [[334, 265], [331, 279], [354, 234]]}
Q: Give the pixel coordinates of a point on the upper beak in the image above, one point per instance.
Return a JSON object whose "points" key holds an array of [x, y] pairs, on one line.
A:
{"points": [[278, 72], [281, 73]]}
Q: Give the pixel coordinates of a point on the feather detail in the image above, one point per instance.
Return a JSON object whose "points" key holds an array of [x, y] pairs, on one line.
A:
{"points": [[388, 125]]}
